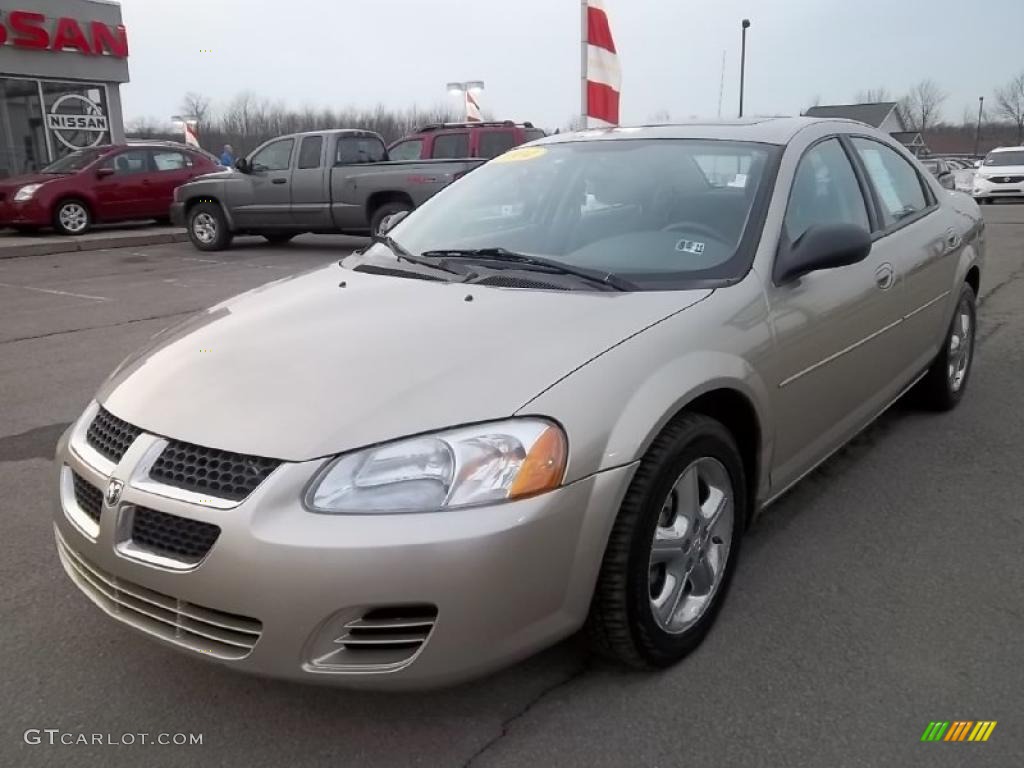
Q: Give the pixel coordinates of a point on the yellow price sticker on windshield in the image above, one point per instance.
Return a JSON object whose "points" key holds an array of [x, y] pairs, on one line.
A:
{"points": [[519, 155]]}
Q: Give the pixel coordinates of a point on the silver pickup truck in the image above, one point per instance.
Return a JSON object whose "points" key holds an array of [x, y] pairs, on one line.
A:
{"points": [[338, 181]]}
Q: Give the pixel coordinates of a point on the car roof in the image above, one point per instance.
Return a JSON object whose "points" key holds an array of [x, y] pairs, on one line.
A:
{"points": [[764, 130]]}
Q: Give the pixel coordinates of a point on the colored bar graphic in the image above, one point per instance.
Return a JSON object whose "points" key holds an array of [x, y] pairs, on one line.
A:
{"points": [[958, 730]]}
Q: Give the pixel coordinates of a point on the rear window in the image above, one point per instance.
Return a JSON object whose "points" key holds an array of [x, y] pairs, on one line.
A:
{"points": [[354, 150], [451, 145], [493, 143]]}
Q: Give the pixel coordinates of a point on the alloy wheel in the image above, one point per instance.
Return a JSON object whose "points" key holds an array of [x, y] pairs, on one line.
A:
{"points": [[691, 545], [204, 227], [73, 217], [960, 345]]}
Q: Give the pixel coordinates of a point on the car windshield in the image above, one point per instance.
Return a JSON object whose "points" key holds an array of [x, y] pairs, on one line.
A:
{"points": [[1005, 158], [76, 161], [650, 210]]}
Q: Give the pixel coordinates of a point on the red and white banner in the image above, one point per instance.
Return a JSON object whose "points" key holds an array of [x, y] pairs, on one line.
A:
{"points": [[603, 76], [473, 114], [191, 137]]}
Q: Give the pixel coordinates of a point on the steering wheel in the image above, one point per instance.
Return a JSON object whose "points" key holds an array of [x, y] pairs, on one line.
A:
{"points": [[697, 228]]}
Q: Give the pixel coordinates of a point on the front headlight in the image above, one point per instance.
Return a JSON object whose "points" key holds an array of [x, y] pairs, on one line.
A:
{"points": [[26, 192], [482, 464]]}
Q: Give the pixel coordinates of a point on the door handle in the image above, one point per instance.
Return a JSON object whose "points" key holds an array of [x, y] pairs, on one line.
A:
{"points": [[279, 181], [885, 277]]}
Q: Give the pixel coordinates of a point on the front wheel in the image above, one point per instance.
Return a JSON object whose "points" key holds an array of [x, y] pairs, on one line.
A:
{"points": [[673, 548], [942, 388], [388, 209], [72, 217], [207, 227]]}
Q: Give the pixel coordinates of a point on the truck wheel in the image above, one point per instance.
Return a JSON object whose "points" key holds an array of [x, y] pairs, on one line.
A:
{"points": [[207, 227], [72, 217], [388, 209], [278, 238]]}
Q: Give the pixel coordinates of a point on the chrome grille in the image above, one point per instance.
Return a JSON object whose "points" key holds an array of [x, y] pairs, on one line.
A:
{"points": [[210, 471], [219, 634], [88, 497], [110, 435], [173, 536], [1006, 179]]}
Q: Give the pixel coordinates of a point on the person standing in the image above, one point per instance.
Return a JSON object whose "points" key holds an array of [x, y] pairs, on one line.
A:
{"points": [[227, 157]]}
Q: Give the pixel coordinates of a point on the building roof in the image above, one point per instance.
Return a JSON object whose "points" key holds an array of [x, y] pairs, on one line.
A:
{"points": [[909, 138], [872, 114]]}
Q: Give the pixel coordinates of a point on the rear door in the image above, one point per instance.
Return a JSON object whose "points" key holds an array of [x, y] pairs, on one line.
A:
{"points": [[125, 193], [171, 169], [450, 145], [923, 241], [311, 206], [491, 142], [270, 197]]}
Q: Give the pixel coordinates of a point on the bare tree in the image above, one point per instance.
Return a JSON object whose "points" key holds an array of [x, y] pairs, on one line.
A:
{"points": [[1010, 104], [922, 106], [873, 95], [197, 106]]}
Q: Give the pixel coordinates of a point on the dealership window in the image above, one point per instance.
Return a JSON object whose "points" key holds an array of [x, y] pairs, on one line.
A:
{"points": [[22, 129], [76, 115]]}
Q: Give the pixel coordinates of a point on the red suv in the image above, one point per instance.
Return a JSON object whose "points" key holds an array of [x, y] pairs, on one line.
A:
{"points": [[457, 140], [106, 183]]}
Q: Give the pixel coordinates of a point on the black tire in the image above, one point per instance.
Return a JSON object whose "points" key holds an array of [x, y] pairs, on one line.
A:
{"points": [[939, 390], [388, 209], [72, 217], [278, 238], [621, 625], [207, 228]]}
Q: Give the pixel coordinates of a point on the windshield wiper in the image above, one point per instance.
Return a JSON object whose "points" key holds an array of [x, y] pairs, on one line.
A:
{"points": [[403, 254], [609, 279]]}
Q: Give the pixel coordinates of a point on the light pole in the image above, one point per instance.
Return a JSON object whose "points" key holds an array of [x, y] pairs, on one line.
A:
{"points": [[468, 90], [743, 59], [977, 131]]}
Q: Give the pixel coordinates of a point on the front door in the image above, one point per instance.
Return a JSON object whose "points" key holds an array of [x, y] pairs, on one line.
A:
{"points": [[125, 193], [270, 197], [836, 350]]}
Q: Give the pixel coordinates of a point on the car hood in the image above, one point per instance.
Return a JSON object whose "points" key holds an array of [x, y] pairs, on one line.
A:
{"points": [[14, 182], [334, 359]]}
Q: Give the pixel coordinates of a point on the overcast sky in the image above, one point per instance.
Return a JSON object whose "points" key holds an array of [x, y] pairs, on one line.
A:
{"points": [[403, 52]]}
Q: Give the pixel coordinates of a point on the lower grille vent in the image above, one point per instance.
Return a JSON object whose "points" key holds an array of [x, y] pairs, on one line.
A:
{"points": [[382, 638]]}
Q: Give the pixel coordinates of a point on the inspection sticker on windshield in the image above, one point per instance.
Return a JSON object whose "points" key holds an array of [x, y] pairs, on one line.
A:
{"points": [[519, 155], [690, 246]]}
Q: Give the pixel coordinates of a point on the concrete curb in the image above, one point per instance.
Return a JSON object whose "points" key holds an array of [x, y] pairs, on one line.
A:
{"points": [[95, 243]]}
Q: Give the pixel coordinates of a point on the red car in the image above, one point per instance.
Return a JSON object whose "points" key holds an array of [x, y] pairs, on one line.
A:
{"points": [[102, 184], [457, 140]]}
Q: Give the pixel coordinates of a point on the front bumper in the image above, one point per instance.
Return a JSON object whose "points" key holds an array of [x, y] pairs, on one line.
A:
{"points": [[178, 214], [30, 213], [281, 585], [987, 189]]}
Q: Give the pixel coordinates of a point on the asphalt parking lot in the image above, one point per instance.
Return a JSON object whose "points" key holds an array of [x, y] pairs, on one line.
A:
{"points": [[886, 591]]}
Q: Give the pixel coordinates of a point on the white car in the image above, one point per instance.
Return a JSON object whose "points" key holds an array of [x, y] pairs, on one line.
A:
{"points": [[1000, 175]]}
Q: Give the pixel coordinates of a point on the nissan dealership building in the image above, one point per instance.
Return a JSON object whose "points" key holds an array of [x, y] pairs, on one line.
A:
{"points": [[61, 66]]}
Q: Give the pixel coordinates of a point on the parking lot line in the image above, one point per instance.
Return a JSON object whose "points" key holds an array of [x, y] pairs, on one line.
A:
{"points": [[56, 292]]}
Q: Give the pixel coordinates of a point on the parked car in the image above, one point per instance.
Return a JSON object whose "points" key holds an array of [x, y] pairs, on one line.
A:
{"points": [[454, 140], [104, 184], [1001, 174], [486, 431], [941, 170], [320, 181]]}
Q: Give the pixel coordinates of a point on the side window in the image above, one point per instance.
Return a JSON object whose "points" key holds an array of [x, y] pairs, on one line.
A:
{"points": [[825, 191], [450, 146], [494, 143], [310, 151], [165, 160], [353, 150], [894, 179], [407, 150], [532, 134], [274, 157], [128, 163]]}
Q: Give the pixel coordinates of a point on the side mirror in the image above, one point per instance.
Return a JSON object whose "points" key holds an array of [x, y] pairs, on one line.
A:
{"points": [[822, 247], [947, 180], [390, 222], [242, 165], [102, 173]]}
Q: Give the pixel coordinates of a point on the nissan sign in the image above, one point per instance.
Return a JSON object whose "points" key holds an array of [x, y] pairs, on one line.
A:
{"points": [[77, 122], [27, 29]]}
